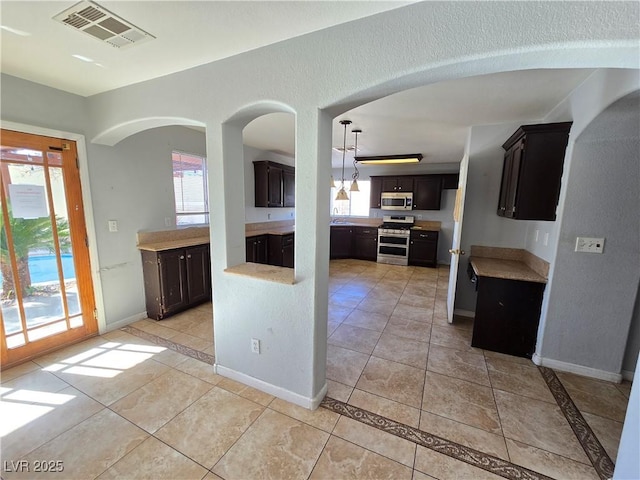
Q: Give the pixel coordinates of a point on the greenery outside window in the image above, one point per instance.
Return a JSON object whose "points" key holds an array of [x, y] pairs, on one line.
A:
{"points": [[190, 188]]}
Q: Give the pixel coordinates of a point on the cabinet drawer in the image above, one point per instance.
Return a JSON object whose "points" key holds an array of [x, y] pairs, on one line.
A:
{"points": [[366, 231], [423, 235], [287, 240]]}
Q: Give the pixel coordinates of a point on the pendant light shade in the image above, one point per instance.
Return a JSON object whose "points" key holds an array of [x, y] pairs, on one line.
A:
{"points": [[342, 193], [356, 173]]}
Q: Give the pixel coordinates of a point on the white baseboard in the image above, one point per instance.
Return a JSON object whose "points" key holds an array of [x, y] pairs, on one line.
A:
{"points": [[124, 322], [287, 395], [577, 369], [628, 375], [464, 313]]}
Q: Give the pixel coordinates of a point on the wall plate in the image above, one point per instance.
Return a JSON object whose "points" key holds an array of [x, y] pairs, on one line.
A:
{"points": [[589, 245]]}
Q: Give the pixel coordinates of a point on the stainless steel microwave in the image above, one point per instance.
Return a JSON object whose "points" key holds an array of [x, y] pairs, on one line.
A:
{"points": [[396, 201]]}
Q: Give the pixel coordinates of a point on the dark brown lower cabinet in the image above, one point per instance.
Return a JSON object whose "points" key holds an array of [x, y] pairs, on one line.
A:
{"points": [[507, 316], [423, 248], [281, 250], [340, 242], [364, 243], [257, 249], [176, 279]]}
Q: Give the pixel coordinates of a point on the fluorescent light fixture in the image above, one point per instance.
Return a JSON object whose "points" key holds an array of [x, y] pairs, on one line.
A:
{"points": [[390, 159]]}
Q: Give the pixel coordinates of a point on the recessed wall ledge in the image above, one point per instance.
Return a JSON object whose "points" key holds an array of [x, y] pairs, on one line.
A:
{"points": [[538, 265], [268, 273]]}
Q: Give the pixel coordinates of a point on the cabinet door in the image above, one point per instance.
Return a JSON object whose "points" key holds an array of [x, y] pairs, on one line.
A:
{"points": [[365, 243], [198, 274], [256, 249], [173, 280], [427, 192], [389, 184], [340, 242], [510, 177], [289, 187], [376, 191], [275, 186], [423, 248], [514, 178], [507, 316], [405, 184]]}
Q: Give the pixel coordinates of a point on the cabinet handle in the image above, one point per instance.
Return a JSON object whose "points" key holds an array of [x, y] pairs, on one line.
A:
{"points": [[181, 257], [189, 256]]}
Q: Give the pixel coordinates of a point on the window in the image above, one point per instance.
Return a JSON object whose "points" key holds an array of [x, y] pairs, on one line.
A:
{"points": [[190, 188], [358, 203]]}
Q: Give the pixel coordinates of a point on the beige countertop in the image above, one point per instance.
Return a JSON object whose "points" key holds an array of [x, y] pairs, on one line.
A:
{"points": [[270, 273], [271, 231], [170, 244], [507, 269], [508, 263]]}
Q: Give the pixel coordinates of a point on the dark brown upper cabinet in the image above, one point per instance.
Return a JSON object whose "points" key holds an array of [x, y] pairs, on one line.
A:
{"points": [[397, 184], [532, 171], [375, 192], [427, 189], [274, 184], [427, 192]]}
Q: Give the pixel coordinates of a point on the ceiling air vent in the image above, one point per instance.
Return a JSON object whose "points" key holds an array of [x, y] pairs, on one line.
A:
{"points": [[101, 24]]}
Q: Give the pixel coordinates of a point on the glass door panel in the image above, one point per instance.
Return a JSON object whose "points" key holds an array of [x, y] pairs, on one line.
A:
{"points": [[45, 279]]}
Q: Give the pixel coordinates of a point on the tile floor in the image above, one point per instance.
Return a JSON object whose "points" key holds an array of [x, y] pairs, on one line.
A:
{"points": [[409, 399]]}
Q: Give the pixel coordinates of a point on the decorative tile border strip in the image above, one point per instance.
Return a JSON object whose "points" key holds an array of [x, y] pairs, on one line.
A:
{"points": [[176, 347], [593, 448], [487, 462]]}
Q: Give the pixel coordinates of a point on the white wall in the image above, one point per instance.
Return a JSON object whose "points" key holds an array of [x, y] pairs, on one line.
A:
{"points": [[482, 225], [136, 189], [633, 342], [627, 463], [596, 293], [316, 78]]}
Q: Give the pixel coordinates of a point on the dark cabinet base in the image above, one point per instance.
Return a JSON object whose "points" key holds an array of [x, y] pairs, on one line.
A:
{"points": [[423, 248], [507, 316], [176, 279]]}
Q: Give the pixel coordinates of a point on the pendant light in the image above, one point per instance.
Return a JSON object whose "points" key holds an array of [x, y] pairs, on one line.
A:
{"points": [[356, 173], [342, 193]]}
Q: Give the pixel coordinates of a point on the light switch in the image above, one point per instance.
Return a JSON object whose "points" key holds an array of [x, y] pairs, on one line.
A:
{"points": [[589, 244], [113, 225]]}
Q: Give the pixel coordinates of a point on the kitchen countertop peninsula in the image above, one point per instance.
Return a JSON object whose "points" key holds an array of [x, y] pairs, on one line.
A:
{"points": [[508, 263], [157, 241]]}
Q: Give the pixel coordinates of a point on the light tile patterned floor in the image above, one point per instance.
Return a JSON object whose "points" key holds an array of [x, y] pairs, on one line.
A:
{"points": [[413, 398]]}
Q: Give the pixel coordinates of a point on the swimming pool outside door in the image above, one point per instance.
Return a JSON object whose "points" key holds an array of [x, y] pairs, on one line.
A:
{"points": [[47, 295]]}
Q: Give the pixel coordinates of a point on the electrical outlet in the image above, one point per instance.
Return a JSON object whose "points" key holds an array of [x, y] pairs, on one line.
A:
{"points": [[546, 239], [537, 235], [255, 345], [589, 245], [113, 225], [167, 221]]}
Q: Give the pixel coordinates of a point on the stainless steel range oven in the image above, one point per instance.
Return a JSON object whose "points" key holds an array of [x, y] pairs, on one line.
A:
{"points": [[393, 239]]}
